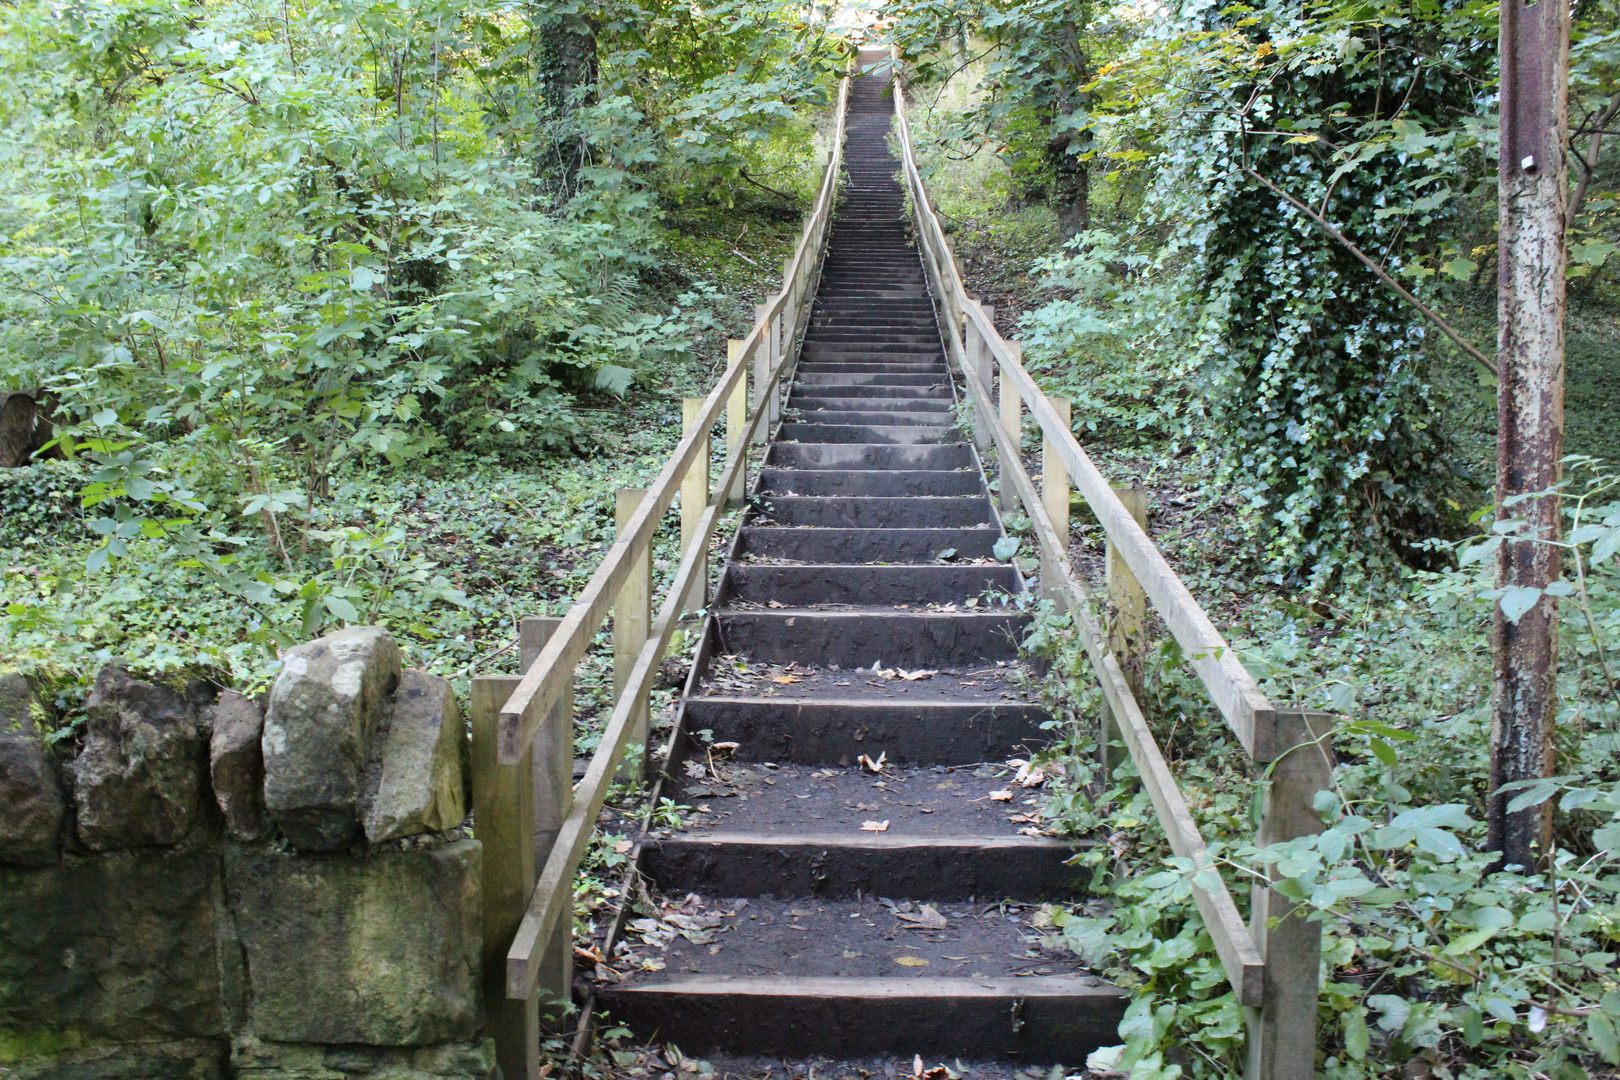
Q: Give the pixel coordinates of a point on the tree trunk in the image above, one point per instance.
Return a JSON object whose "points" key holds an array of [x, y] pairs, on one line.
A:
{"points": [[566, 65], [1532, 178], [1071, 186]]}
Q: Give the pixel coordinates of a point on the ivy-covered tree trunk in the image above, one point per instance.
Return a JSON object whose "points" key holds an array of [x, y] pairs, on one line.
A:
{"points": [[566, 66]]}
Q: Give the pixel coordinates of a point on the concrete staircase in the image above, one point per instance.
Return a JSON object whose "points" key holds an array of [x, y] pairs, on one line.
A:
{"points": [[843, 911]]}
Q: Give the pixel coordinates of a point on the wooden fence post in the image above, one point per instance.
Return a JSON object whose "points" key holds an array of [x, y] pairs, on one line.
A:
{"points": [[978, 355], [736, 421], [1282, 1032], [503, 822], [632, 619], [1055, 492], [1012, 422], [764, 363], [694, 500], [1126, 635], [553, 798]]}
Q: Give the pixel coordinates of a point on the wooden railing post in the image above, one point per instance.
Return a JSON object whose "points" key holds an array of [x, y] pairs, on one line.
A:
{"points": [[553, 798], [765, 358], [503, 822], [694, 500], [1055, 490], [1126, 636], [1012, 421], [632, 618], [736, 421], [978, 355], [1282, 1032]]}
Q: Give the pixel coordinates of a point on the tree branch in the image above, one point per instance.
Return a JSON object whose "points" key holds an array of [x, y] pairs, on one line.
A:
{"points": [[1428, 312], [1590, 162]]}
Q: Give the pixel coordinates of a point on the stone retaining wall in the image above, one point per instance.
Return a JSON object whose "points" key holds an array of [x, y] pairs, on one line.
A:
{"points": [[211, 886]]}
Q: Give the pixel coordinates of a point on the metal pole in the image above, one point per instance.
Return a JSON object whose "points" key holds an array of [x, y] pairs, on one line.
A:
{"points": [[1532, 179]]}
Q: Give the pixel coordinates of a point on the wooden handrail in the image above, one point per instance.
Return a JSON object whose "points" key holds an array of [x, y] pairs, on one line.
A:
{"points": [[1271, 963], [553, 670], [1231, 687], [544, 682]]}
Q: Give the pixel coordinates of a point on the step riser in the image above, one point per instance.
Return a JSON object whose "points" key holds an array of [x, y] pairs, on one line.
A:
{"points": [[940, 392], [954, 871], [868, 513], [855, 456], [882, 485], [799, 586], [886, 436], [877, 378], [1046, 1028], [906, 639], [879, 417], [808, 733], [911, 546]]}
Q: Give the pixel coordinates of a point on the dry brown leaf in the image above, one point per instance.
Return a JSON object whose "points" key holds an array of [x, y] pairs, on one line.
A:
{"points": [[622, 847], [775, 604], [927, 915], [874, 826], [913, 676], [1001, 796], [785, 679], [911, 961], [875, 766]]}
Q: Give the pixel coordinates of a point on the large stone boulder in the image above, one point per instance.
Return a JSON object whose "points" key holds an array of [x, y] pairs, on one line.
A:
{"points": [[325, 709], [375, 951], [236, 763], [420, 786], [20, 708], [31, 802], [119, 948], [138, 777]]}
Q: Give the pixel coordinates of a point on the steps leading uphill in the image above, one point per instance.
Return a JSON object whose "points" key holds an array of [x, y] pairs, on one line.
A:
{"points": [[833, 909]]}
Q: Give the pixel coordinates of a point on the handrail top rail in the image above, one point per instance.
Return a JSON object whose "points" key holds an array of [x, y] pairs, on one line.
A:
{"points": [[543, 684], [1236, 694]]}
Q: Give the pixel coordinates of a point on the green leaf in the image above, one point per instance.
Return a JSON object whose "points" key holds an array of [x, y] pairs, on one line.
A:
{"points": [[341, 608], [1356, 1036], [1600, 1028], [1517, 600], [1005, 548]]}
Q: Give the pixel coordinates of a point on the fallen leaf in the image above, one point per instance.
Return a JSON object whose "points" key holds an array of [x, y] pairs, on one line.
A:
{"points": [[1001, 796], [785, 679], [874, 826], [875, 766], [911, 961], [801, 914], [622, 846], [913, 676], [1030, 830], [848, 955], [775, 603], [928, 915]]}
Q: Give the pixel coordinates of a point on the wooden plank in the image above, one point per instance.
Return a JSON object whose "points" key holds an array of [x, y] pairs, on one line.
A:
{"points": [[1239, 956], [1234, 692], [632, 612], [1282, 1032], [553, 757], [553, 895], [503, 822], [544, 681], [1127, 626], [694, 500], [736, 420], [764, 364], [1012, 423], [1055, 498]]}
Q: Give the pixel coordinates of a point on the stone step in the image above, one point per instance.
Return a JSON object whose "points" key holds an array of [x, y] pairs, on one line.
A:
{"points": [[868, 456], [870, 483], [867, 433], [856, 638], [840, 512], [866, 545], [805, 586]]}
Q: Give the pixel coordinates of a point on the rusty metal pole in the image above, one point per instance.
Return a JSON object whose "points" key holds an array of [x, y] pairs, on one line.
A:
{"points": [[1531, 176]]}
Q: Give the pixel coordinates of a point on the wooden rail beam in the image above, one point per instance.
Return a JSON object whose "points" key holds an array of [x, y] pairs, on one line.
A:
{"points": [[1055, 501], [553, 768]]}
